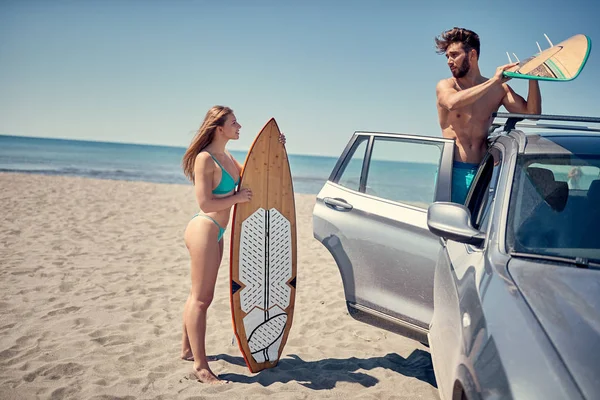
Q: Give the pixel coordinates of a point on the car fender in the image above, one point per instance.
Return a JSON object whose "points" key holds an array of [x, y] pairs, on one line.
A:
{"points": [[464, 383]]}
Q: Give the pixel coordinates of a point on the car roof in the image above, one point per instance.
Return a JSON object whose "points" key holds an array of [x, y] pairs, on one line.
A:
{"points": [[572, 135], [561, 142]]}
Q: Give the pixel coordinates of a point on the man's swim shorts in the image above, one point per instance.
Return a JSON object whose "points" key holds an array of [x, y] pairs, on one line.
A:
{"points": [[462, 178]]}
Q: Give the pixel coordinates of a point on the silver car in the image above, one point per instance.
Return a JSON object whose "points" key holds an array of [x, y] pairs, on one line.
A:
{"points": [[506, 288]]}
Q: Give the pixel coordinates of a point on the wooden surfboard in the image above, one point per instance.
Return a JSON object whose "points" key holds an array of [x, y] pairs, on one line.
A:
{"points": [[263, 253], [561, 62]]}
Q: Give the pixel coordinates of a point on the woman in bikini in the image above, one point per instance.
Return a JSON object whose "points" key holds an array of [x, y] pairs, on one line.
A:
{"points": [[215, 174]]}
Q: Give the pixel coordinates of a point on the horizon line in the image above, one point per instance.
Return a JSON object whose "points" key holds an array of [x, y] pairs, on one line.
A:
{"points": [[142, 144]]}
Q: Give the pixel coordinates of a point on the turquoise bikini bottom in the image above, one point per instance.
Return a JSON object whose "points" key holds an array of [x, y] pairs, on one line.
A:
{"points": [[221, 229]]}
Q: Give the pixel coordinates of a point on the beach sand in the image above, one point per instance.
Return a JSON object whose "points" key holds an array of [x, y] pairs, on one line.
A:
{"points": [[93, 278]]}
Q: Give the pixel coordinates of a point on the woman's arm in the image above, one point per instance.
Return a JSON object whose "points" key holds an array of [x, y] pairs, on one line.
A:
{"points": [[204, 169]]}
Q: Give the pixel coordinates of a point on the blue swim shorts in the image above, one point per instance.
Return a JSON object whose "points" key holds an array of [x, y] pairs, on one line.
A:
{"points": [[462, 177]]}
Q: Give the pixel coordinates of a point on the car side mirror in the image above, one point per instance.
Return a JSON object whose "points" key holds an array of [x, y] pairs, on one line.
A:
{"points": [[453, 221]]}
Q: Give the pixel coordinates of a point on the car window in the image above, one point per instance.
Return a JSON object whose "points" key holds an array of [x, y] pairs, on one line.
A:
{"points": [[351, 171], [484, 189], [404, 171], [578, 177], [547, 215]]}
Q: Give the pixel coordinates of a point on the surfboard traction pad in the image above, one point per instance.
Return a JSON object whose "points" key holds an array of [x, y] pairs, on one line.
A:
{"points": [[265, 270]]}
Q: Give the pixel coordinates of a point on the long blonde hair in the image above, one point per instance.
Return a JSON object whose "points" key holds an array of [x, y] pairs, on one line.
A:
{"points": [[215, 117]]}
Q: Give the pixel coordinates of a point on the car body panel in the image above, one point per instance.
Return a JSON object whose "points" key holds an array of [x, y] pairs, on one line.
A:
{"points": [[563, 144], [382, 247], [376, 267], [474, 297], [530, 367], [560, 297], [471, 342], [501, 327]]}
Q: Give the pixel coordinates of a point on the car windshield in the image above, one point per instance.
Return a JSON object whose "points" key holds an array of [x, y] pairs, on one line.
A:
{"points": [[555, 206]]}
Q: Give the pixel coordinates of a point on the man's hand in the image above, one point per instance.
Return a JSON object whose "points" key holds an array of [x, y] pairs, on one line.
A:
{"points": [[498, 76]]}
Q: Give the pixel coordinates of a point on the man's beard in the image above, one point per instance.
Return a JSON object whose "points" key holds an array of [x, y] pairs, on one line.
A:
{"points": [[463, 70]]}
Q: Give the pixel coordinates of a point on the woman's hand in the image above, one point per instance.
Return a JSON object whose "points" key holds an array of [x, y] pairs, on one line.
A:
{"points": [[281, 138], [243, 196]]}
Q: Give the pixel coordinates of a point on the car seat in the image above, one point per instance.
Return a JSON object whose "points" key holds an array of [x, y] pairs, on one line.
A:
{"points": [[545, 226], [591, 220]]}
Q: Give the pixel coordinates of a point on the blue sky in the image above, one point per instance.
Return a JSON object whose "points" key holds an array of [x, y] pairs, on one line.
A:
{"points": [[147, 71]]}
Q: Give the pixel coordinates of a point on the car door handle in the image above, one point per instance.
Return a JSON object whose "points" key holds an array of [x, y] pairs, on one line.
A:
{"points": [[337, 204]]}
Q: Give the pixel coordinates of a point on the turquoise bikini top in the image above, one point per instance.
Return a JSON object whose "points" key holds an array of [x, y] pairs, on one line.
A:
{"points": [[227, 183]]}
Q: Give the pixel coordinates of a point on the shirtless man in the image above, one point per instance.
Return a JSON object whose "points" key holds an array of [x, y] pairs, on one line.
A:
{"points": [[466, 101]]}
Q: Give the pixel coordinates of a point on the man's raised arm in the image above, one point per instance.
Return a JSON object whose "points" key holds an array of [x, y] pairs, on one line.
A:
{"points": [[516, 104], [451, 99]]}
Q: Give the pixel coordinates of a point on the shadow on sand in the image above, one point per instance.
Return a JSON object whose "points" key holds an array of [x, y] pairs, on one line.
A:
{"points": [[325, 374]]}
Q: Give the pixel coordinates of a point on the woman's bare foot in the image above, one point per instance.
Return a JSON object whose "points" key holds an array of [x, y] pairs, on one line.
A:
{"points": [[206, 376], [187, 355]]}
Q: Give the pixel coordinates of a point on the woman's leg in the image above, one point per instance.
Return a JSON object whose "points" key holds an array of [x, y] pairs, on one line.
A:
{"points": [[201, 241], [220, 250], [186, 350]]}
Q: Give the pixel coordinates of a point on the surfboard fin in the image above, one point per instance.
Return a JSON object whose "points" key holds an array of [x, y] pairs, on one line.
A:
{"points": [[538, 46]]}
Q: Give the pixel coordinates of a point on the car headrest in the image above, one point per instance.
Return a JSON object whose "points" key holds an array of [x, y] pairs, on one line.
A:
{"points": [[593, 193], [558, 196], [554, 193], [540, 176], [542, 179]]}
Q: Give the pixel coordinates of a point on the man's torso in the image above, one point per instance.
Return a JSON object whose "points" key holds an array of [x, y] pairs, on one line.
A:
{"points": [[469, 125]]}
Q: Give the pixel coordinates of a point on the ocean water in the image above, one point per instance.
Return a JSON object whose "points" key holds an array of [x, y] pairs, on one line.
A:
{"points": [[132, 162], [400, 181]]}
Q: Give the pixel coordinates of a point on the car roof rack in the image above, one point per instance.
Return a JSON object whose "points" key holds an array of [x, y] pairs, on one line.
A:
{"points": [[514, 119]]}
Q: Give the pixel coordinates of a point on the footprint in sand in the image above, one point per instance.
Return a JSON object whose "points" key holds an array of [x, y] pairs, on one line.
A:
{"points": [[112, 340], [66, 392], [81, 323], [6, 327], [56, 372], [61, 311], [141, 307], [65, 286], [8, 353]]}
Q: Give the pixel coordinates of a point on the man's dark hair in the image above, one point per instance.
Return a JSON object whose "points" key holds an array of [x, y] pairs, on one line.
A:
{"points": [[469, 39]]}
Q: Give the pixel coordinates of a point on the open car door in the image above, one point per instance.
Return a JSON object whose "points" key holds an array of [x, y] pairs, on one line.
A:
{"points": [[372, 216]]}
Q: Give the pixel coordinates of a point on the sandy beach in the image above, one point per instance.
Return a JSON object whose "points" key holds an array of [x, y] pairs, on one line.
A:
{"points": [[93, 278]]}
